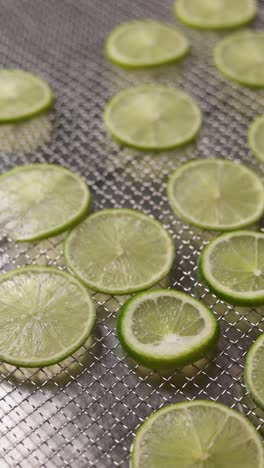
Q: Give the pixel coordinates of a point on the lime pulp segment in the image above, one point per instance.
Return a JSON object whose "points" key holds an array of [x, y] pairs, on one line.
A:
{"points": [[40, 200], [201, 434], [45, 315], [256, 138], [216, 194], [118, 251], [233, 267], [240, 57], [139, 44], [165, 328], [153, 117], [254, 371], [215, 14], [22, 95]]}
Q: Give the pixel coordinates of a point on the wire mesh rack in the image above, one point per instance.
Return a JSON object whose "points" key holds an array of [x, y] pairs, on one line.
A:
{"points": [[84, 411]]}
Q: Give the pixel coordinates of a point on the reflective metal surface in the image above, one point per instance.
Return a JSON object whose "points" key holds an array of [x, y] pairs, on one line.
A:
{"points": [[84, 411]]}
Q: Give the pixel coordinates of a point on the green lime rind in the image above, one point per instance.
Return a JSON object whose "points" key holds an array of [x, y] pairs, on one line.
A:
{"points": [[74, 219], [210, 422], [216, 164], [256, 126], [203, 25], [158, 361], [126, 290], [127, 62], [86, 326], [239, 299], [116, 134], [255, 361], [39, 107], [248, 56]]}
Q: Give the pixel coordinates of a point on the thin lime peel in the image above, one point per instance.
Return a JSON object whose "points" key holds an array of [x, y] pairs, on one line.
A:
{"points": [[153, 118], [215, 194], [45, 316], [119, 251], [197, 433], [164, 329], [232, 265], [143, 44], [22, 95], [41, 200]]}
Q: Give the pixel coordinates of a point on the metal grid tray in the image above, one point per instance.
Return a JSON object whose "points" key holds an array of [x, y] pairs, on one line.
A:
{"points": [[84, 411]]}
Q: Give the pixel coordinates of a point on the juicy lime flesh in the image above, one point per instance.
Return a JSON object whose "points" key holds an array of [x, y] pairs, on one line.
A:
{"points": [[256, 138], [22, 95], [145, 43], [241, 57], [164, 324], [239, 263], [254, 370], [44, 316], [215, 13], [119, 251], [153, 117], [216, 194], [37, 200], [197, 434]]}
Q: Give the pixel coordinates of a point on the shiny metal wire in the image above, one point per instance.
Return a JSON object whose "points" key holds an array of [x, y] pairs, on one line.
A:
{"points": [[84, 411]]}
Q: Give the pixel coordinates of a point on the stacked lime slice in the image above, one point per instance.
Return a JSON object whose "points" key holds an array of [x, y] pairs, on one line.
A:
{"points": [[119, 251], [22, 95], [45, 315], [233, 267], [256, 138], [40, 200], [240, 57], [216, 194], [215, 14], [153, 117], [165, 329], [198, 434], [254, 371], [140, 44]]}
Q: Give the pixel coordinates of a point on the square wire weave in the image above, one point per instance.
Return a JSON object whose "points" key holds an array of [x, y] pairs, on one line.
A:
{"points": [[84, 411]]}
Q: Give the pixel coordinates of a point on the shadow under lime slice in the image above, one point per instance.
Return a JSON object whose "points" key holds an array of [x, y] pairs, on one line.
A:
{"points": [[233, 267], [215, 14], [256, 138], [254, 371], [197, 434], [118, 251], [22, 95], [40, 200], [240, 57], [140, 44], [45, 315], [153, 117], [164, 329], [216, 194]]}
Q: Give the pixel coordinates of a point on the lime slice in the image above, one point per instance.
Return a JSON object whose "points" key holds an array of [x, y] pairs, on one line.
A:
{"points": [[119, 251], [240, 57], [22, 95], [40, 200], [164, 329], [256, 138], [138, 44], [153, 117], [45, 315], [216, 194], [215, 14], [233, 267], [254, 371], [197, 434]]}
